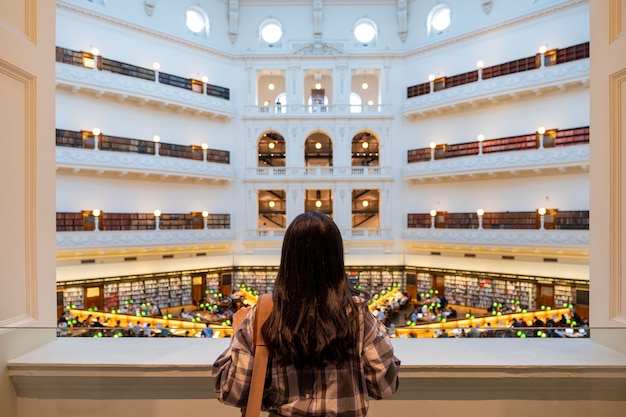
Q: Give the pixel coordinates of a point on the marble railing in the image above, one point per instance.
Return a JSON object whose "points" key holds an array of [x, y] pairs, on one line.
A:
{"points": [[562, 76], [143, 166], [501, 164]]}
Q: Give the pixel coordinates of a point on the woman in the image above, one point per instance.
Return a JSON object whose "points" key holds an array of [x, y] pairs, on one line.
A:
{"points": [[328, 353]]}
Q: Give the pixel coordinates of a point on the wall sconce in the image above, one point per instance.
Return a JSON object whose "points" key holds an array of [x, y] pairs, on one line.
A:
{"points": [[96, 131], [205, 79], [431, 77], [318, 146], [433, 214], [95, 51], [271, 85], [480, 64], [157, 216], [365, 85], [318, 78], [205, 215], [96, 214], [156, 139], [318, 204], [480, 213], [370, 102], [433, 145], [541, 131], [543, 49], [156, 66], [542, 213]]}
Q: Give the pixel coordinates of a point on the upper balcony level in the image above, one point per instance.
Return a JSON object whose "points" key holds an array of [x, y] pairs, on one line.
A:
{"points": [[104, 155], [541, 152], [79, 71], [557, 69]]}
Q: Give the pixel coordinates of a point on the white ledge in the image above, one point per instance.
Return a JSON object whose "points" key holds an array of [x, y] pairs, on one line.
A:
{"points": [[123, 87], [317, 172], [552, 239], [87, 368], [130, 165], [506, 87], [125, 239], [562, 159]]}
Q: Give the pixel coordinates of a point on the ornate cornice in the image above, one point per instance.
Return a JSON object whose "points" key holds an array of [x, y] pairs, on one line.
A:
{"points": [[506, 238], [144, 92], [492, 90], [122, 164], [513, 163], [135, 239]]}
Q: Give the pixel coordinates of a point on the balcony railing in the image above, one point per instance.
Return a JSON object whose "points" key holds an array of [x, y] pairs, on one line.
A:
{"points": [[319, 171], [549, 239], [533, 161], [142, 165], [570, 74], [318, 110], [348, 234], [125, 239]]}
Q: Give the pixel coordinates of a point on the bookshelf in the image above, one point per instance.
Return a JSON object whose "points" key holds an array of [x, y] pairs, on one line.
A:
{"points": [[513, 143], [176, 221], [186, 290], [181, 151], [460, 79], [461, 149], [418, 90], [111, 297], [418, 220], [175, 81], [461, 221], [74, 296], [217, 91], [69, 222], [511, 67], [568, 137], [78, 58], [122, 68], [73, 139], [419, 155], [218, 221], [217, 156], [118, 144], [572, 220], [572, 53], [511, 220]]}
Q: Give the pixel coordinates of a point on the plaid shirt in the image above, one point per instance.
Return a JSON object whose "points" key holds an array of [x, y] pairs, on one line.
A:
{"points": [[337, 390]]}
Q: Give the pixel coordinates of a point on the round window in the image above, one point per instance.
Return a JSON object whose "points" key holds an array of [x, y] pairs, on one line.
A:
{"points": [[365, 31], [196, 20], [271, 31], [439, 18]]}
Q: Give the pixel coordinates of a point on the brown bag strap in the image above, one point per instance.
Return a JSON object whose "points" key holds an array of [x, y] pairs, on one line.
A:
{"points": [[261, 357]]}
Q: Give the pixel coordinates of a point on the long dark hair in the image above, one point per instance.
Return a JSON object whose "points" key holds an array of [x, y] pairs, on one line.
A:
{"points": [[315, 318]]}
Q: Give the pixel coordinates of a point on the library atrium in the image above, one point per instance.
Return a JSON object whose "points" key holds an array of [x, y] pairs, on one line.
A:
{"points": [[450, 141]]}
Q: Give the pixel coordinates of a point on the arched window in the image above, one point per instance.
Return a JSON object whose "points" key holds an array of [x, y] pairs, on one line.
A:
{"points": [[355, 103]]}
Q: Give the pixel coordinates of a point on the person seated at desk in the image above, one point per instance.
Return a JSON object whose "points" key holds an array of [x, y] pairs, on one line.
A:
{"points": [[185, 315], [165, 332], [207, 332]]}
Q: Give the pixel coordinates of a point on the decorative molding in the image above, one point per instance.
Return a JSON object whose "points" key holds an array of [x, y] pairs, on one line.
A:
{"points": [[318, 49], [233, 20], [134, 239], [403, 20], [132, 165], [549, 239], [534, 162], [123, 87], [149, 6], [505, 87], [487, 6]]}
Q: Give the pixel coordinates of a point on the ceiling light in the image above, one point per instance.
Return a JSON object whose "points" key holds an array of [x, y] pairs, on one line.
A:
{"points": [[365, 145], [318, 145], [318, 204], [271, 145], [365, 203], [271, 204]]}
